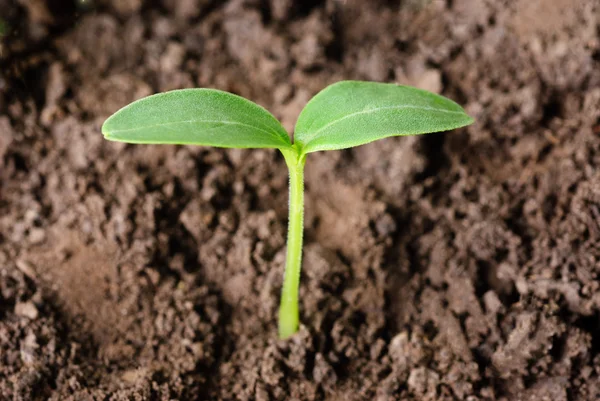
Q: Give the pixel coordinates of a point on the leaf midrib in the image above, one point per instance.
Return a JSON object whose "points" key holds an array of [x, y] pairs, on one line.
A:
{"points": [[311, 136], [273, 134]]}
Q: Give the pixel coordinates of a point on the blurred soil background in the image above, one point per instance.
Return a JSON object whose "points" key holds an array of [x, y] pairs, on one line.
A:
{"points": [[456, 266]]}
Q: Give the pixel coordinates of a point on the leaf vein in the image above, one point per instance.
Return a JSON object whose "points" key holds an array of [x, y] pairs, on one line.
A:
{"points": [[369, 111], [167, 126]]}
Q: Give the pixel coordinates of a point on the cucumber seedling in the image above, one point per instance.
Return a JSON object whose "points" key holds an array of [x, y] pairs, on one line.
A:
{"points": [[343, 115]]}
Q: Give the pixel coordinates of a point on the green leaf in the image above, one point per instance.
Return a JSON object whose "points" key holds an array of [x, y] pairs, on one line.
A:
{"points": [[352, 113], [197, 117], [3, 27]]}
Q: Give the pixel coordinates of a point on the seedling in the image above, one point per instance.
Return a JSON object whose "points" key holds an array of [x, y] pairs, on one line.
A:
{"points": [[343, 115]]}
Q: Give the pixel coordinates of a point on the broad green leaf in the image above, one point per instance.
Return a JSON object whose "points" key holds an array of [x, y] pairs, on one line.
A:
{"points": [[352, 113], [197, 117]]}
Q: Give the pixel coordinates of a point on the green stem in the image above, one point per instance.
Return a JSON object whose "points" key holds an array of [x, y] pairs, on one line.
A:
{"points": [[288, 310]]}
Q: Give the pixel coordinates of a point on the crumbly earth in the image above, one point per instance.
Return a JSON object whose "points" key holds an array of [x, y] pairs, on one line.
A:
{"points": [[455, 266]]}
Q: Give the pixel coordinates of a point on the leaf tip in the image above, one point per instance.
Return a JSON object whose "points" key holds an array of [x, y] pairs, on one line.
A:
{"points": [[106, 131], [469, 120]]}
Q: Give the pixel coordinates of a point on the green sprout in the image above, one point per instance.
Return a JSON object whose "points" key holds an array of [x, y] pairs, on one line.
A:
{"points": [[3, 27], [343, 115]]}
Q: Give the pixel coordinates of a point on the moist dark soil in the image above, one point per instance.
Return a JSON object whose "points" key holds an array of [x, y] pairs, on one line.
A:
{"points": [[456, 266]]}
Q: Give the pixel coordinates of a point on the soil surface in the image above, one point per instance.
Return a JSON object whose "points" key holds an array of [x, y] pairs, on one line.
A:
{"points": [[455, 266]]}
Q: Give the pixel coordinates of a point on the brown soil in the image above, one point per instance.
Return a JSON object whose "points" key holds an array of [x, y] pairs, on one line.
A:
{"points": [[457, 266]]}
